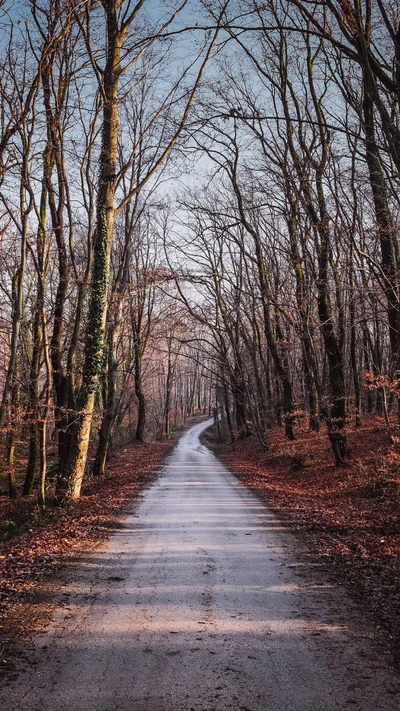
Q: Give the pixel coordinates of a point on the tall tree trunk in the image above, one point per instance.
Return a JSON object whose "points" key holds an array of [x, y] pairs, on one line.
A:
{"points": [[56, 195], [337, 418], [239, 398], [353, 345], [309, 363], [281, 370], [141, 412], [11, 442], [94, 341], [37, 340], [386, 229], [109, 410], [17, 296], [319, 218], [168, 394], [228, 413], [33, 402]]}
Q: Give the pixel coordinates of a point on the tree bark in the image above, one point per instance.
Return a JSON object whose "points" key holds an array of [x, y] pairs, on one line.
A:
{"points": [[141, 413], [94, 340]]}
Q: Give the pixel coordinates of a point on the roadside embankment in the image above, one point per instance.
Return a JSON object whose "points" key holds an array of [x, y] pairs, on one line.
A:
{"points": [[350, 515]]}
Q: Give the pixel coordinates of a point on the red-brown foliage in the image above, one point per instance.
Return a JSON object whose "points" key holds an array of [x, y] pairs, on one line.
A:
{"points": [[352, 512], [26, 558]]}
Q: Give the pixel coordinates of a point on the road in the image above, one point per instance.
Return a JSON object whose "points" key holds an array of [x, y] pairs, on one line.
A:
{"points": [[201, 601]]}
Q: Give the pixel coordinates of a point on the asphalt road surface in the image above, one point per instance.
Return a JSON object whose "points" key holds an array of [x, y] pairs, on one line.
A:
{"points": [[201, 601]]}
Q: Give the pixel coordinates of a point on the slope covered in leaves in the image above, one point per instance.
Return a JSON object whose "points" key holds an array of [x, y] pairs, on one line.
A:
{"points": [[26, 558], [352, 513]]}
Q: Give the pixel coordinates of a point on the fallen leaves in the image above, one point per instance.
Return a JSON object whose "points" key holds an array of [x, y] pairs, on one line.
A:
{"points": [[352, 513], [25, 559]]}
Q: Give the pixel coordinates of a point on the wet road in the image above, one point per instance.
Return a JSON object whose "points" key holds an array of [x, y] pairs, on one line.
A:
{"points": [[201, 602]]}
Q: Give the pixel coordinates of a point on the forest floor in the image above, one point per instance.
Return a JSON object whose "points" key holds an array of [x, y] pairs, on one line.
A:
{"points": [[202, 598], [33, 544], [350, 515]]}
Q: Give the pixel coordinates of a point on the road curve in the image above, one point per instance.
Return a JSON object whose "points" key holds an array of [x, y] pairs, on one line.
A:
{"points": [[200, 602]]}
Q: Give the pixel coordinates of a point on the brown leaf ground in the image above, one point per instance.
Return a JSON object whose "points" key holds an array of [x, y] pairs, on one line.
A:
{"points": [[26, 559], [351, 514]]}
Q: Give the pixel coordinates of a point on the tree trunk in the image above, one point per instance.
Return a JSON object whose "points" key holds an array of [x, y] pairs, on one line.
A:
{"points": [[17, 299], [337, 418], [385, 226], [141, 413], [228, 414], [168, 393], [353, 346], [33, 402], [11, 441], [309, 364], [94, 341], [12, 481], [109, 410], [282, 373]]}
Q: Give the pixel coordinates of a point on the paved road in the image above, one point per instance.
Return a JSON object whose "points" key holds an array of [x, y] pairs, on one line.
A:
{"points": [[201, 602]]}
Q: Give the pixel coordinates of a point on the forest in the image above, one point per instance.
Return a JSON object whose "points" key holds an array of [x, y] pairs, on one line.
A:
{"points": [[200, 354], [199, 214]]}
